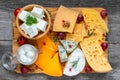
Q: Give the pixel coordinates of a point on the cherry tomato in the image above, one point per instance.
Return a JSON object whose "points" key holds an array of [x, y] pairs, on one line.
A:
{"points": [[17, 10], [21, 40]]}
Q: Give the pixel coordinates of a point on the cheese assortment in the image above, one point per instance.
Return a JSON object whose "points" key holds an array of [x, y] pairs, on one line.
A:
{"points": [[33, 21], [75, 44]]}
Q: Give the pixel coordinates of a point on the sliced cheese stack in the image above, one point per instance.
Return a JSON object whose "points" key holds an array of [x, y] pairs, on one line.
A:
{"points": [[48, 59], [93, 19], [95, 55], [78, 34], [69, 45], [76, 63]]}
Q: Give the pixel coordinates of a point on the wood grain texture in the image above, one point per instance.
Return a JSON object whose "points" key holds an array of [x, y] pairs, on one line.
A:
{"points": [[113, 6]]}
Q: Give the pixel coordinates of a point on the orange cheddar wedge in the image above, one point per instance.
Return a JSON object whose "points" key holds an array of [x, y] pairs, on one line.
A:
{"points": [[46, 41], [44, 56], [53, 68]]}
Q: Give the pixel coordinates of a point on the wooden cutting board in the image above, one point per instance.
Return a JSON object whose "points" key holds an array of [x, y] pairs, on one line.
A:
{"points": [[33, 68]]}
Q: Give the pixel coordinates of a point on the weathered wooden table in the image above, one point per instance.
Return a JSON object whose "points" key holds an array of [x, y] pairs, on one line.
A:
{"points": [[113, 6]]}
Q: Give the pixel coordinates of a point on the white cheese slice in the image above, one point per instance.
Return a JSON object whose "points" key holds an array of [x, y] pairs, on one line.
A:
{"points": [[23, 15], [24, 26], [32, 31], [38, 12], [41, 25], [72, 68], [62, 54], [69, 45]]}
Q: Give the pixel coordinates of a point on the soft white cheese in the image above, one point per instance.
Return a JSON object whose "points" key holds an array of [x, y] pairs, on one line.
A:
{"points": [[38, 12], [32, 31], [41, 25], [24, 26], [23, 15], [76, 55]]}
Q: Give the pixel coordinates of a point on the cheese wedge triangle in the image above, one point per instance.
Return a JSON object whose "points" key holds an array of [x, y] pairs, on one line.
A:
{"points": [[95, 55], [69, 45], [93, 19], [53, 68]]}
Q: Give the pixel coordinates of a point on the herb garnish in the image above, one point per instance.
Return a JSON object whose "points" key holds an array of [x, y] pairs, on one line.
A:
{"points": [[55, 39], [90, 32], [74, 63], [30, 20]]}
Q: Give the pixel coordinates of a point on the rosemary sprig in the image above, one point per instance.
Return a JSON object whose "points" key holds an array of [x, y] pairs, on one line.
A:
{"points": [[74, 63], [30, 20], [55, 39], [90, 32]]}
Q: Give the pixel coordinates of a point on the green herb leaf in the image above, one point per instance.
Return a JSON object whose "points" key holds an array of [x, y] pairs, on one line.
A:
{"points": [[55, 39], [90, 32], [74, 63], [30, 20]]}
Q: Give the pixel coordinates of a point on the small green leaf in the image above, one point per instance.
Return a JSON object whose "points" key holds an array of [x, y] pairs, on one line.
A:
{"points": [[30, 20], [90, 32], [55, 39], [74, 63]]}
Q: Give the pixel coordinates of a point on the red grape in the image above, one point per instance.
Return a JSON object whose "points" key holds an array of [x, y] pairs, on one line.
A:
{"points": [[88, 69], [80, 18], [104, 13], [17, 10], [24, 69], [61, 35], [104, 45]]}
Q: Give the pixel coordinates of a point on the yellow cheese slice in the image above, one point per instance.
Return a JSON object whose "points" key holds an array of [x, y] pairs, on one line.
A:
{"points": [[65, 14], [95, 55], [93, 19], [53, 68]]}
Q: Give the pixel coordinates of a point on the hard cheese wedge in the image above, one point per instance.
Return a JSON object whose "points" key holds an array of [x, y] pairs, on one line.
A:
{"points": [[65, 14], [95, 55], [44, 57], [93, 19], [46, 41], [76, 63], [69, 45], [53, 68]]}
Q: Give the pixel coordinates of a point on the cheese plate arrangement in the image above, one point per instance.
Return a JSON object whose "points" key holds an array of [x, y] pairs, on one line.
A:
{"points": [[74, 41]]}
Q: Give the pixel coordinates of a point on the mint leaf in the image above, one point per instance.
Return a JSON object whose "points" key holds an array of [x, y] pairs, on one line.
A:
{"points": [[30, 20]]}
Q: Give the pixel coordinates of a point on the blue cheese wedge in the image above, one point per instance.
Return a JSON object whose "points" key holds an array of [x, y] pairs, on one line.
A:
{"points": [[76, 63], [62, 54], [23, 15], [38, 12], [41, 25], [32, 31], [69, 45]]}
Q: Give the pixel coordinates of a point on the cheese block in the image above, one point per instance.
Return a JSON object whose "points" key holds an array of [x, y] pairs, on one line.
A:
{"points": [[53, 68], [65, 16], [44, 57], [38, 12], [74, 37], [62, 54], [93, 19], [69, 45], [95, 55], [76, 63], [46, 41]]}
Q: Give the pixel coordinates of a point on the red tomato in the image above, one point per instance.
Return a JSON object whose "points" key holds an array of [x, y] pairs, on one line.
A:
{"points": [[17, 10], [21, 40]]}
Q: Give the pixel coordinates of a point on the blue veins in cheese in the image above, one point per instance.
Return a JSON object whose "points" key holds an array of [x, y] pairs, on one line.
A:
{"points": [[76, 63], [38, 12], [62, 54], [69, 45]]}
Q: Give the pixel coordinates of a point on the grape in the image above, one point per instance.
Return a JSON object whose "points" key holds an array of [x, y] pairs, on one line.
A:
{"points": [[61, 35], [24, 69], [104, 45], [80, 18], [88, 69], [104, 13]]}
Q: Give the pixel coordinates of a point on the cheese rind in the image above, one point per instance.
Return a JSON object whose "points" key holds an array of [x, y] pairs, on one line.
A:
{"points": [[69, 45], [62, 54], [65, 14]]}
